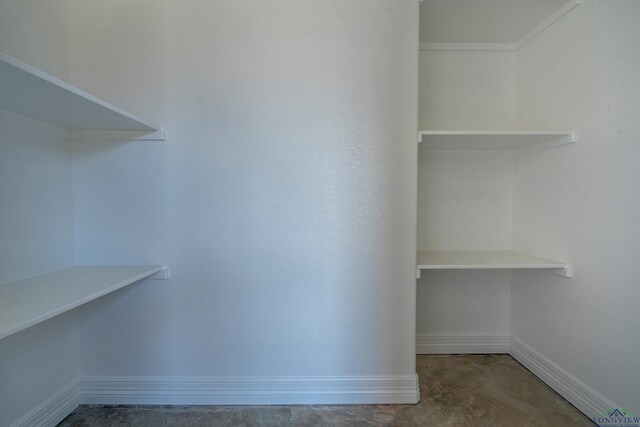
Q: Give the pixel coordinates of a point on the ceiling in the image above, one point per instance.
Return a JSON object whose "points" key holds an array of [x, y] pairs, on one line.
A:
{"points": [[482, 21]]}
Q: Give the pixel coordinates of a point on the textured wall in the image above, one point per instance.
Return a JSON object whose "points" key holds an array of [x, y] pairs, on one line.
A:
{"points": [[36, 214], [581, 202], [36, 32], [467, 90], [284, 201]]}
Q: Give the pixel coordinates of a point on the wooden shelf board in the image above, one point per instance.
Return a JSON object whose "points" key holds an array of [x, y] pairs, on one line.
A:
{"points": [[27, 302], [29, 92], [460, 260], [493, 140]]}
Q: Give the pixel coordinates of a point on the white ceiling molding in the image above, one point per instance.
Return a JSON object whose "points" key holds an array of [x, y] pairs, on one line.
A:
{"points": [[469, 46], [548, 22], [505, 47]]}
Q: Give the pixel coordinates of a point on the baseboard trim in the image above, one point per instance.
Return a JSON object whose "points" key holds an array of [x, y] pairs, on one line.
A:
{"points": [[462, 343], [54, 409], [309, 390], [249, 391], [579, 394]]}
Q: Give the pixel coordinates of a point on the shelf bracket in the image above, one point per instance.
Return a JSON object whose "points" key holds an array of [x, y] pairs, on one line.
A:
{"points": [[160, 275], [566, 271]]}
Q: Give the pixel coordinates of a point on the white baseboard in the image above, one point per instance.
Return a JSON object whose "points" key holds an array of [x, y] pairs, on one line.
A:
{"points": [[462, 343], [249, 391], [54, 409], [309, 390], [583, 397], [221, 391]]}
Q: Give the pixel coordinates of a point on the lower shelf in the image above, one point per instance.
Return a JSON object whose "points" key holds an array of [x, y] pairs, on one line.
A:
{"points": [[461, 260], [30, 301]]}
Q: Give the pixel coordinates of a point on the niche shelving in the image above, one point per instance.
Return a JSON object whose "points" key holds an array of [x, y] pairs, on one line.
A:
{"points": [[496, 260], [31, 98], [518, 142]]}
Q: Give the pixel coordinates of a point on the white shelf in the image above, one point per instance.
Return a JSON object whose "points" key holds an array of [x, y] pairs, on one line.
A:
{"points": [[493, 140], [463, 260], [27, 302], [29, 92]]}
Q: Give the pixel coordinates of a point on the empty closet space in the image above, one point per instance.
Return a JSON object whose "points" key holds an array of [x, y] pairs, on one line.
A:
{"points": [[465, 201], [525, 156], [334, 186], [469, 143], [40, 116]]}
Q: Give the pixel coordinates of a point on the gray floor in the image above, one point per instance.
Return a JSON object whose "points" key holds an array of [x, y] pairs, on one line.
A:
{"points": [[478, 390]]}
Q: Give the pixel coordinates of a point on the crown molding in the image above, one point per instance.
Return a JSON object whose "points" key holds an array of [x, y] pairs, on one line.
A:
{"points": [[484, 47], [504, 47], [555, 16]]}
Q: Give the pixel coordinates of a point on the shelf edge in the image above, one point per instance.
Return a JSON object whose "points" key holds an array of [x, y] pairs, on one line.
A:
{"points": [[24, 122], [491, 266], [41, 75], [564, 270], [538, 263], [547, 139], [118, 135], [74, 304]]}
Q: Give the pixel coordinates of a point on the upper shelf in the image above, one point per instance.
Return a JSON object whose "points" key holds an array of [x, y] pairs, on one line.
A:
{"points": [[463, 260], [29, 92], [512, 140], [27, 302]]}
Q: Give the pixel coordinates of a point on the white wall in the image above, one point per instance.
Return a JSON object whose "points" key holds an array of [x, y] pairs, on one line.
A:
{"points": [[37, 364], [581, 202], [36, 236], [36, 32], [36, 214], [283, 202], [465, 199], [467, 90], [36, 220]]}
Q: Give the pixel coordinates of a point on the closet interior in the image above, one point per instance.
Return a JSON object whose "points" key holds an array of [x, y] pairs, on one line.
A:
{"points": [[471, 143]]}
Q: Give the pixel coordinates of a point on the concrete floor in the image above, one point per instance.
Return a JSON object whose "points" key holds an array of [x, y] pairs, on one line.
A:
{"points": [[474, 390]]}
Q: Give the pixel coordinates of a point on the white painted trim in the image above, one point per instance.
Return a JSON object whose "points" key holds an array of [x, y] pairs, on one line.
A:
{"points": [[462, 343], [54, 409], [249, 390], [23, 122], [563, 10], [583, 397], [481, 47], [310, 390]]}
